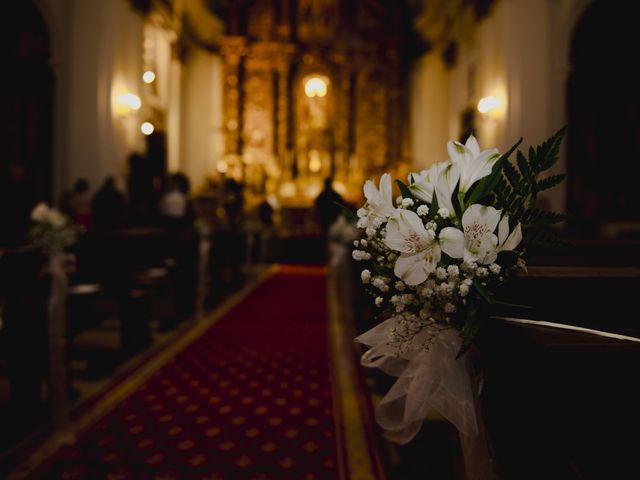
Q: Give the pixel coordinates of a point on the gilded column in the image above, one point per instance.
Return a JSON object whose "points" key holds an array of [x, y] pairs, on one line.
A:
{"points": [[283, 105], [233, 49]]}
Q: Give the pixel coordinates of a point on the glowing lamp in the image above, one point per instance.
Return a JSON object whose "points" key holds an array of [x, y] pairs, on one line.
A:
{"points": [[486, 104], [315, 87], [147, 128], [148, 76]]}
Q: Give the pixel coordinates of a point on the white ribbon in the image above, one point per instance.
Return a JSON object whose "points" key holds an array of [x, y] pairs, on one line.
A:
{"points": [[57, 325], [429, 379]]}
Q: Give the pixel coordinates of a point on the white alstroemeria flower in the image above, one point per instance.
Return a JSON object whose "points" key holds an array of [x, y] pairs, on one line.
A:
{"points": [[508, 241], [42, 213], [476, 242], [39, 213], [473, 163], [425, 182], [445, 185], [379, 203], [419, 250]]}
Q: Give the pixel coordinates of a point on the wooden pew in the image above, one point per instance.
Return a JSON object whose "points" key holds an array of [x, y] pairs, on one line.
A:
{"points": [[147, 272], [25, 290], [559, 403]]}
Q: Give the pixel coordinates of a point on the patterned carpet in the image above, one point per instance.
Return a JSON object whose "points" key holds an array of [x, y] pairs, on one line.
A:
{"points": [[256, 395]]}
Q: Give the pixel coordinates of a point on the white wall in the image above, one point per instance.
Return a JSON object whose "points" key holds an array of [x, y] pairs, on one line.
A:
{"points": [[97, 47], [201, 115], [520, 55], [430, 84]]}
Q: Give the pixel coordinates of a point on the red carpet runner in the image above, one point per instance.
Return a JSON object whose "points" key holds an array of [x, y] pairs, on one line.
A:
{"points": [[251, 398]]}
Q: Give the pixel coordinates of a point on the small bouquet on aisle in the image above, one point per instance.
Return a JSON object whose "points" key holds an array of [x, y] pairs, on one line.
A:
{"points": [[52, 231], [432, 263]]}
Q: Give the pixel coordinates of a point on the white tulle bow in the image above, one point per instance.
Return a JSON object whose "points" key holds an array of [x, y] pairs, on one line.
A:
{"points": [[429, 379]]}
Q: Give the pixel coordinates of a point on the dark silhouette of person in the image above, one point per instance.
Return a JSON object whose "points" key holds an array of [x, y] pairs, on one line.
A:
{"points": [[142, 199], [265, 214], [109, 206], [176, 208], [80, 203], [233, 201], [326, 204]]}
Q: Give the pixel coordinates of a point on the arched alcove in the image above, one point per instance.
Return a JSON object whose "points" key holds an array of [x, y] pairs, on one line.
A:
{"points": [[27, 98], [603, 117]]}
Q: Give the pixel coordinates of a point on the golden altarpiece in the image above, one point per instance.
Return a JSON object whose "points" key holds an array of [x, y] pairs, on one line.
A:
{"points": [[314, 89]]}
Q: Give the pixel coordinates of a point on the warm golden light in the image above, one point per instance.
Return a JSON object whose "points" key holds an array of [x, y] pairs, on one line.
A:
{"points": [[313, 190], [147, 128], [287, 189], [315, 164], [148, 76], [315, 87], [486, 104], [340, 188], [129, 101], [222, 166]]}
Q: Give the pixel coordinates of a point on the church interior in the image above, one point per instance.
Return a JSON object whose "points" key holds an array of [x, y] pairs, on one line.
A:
{"points": [[196, 317]]}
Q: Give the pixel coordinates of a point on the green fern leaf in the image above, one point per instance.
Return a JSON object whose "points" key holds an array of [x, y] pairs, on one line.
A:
{"points": [[550, 182]]}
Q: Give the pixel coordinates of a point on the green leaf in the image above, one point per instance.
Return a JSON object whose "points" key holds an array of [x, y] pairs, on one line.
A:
{"points": [[485, 294], [507, 304], [545, 240], [382, 270], [540, 217], [433, 208], [512, 175], [524, 168], [347, 212], [550, 182], [404, 190], [456, 202], [551, 148], [469, 331]]}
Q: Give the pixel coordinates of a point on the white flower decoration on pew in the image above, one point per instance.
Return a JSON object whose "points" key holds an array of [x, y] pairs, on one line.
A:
{"points": [[51, 230], [379, 205], [473, 164], [454, 235], [432, 265]]}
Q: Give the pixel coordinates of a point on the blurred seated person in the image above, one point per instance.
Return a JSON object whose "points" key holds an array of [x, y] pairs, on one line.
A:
{"points": [[233, 201], [80, 204], [265, 214], [109, 206], [325, 205], [175, 207]]}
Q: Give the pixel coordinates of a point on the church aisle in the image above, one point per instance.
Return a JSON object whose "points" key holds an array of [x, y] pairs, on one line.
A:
{"points": [[255, 393]]}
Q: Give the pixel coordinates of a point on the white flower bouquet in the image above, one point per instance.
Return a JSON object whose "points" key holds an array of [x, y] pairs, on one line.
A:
{"points": [[433, 264], [434, 260], [51, 230]]}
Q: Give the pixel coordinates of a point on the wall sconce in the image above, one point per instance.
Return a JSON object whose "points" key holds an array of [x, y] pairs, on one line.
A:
{"points": [[489, 105], [126, 103]]}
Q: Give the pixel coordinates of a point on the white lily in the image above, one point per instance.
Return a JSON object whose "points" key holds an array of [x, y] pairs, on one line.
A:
{"points": [[379, 205], [425, 182], [473, 163], [39, 212], [42, 213], [476, 242], [508, 241], [445, 185], [418, 247]]}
